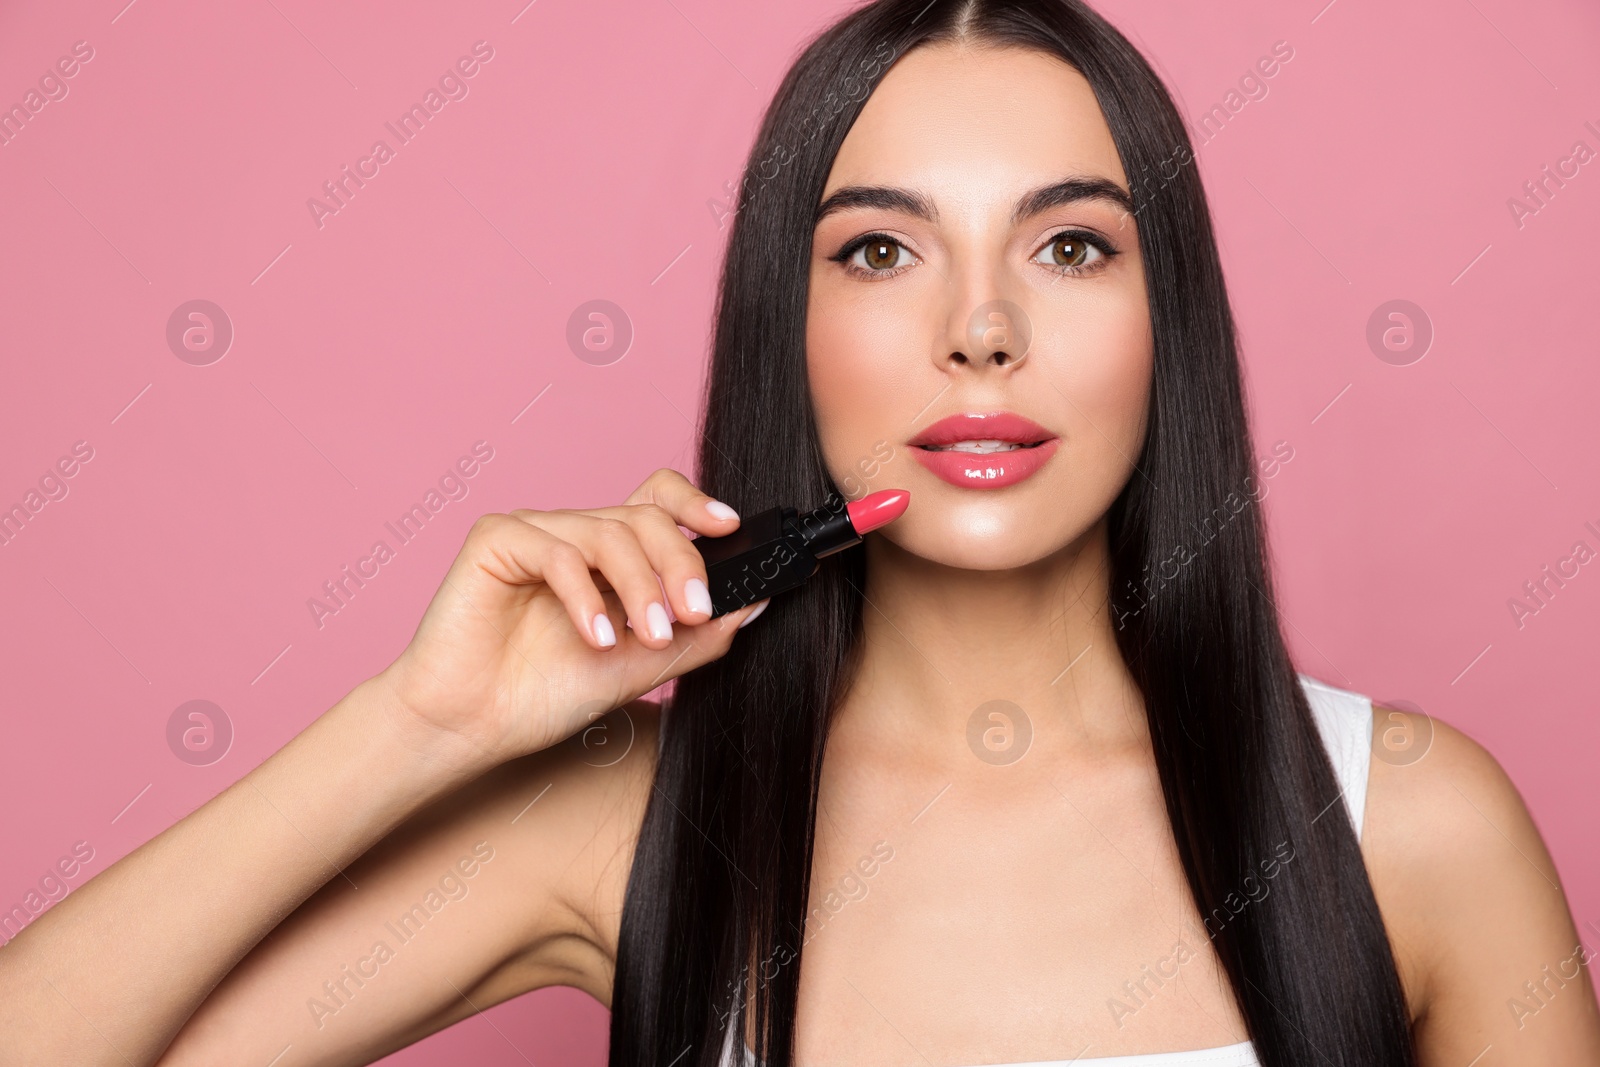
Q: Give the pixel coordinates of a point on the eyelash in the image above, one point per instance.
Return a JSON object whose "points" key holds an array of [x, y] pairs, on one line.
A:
{"points": [[1106, 249]]}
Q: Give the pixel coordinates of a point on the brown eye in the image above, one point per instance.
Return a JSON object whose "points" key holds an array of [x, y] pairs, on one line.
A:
{"points": [[875, 253], [1068, 251], [1071, 253], [881, 255]]}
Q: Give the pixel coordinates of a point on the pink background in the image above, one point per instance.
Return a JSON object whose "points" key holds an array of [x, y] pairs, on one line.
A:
{"points": [[373, 351]]}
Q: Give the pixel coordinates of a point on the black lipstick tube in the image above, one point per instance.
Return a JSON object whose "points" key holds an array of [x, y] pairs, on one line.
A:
{"points": [[773, 552]]}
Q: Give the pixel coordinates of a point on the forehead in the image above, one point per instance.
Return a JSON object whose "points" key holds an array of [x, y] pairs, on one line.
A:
{"points": [[977, 124]]}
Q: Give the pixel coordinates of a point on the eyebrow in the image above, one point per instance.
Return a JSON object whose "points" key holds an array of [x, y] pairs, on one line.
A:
{"points": [[919, 205]]}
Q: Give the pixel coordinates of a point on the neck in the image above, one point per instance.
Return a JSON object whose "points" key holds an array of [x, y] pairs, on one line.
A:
{"points": [[940, 641]]}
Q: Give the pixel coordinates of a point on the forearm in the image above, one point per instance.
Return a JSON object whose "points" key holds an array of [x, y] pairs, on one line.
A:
{"points": [[112, 972]]}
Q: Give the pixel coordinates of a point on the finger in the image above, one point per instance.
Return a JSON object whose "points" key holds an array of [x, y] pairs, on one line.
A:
{"points": [[688, 506], [518, 553], [612, 547], [683, 586], [673, 557], [695, 646]]}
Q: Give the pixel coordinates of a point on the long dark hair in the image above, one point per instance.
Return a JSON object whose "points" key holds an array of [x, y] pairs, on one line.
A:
{"points": [[722, 869]]}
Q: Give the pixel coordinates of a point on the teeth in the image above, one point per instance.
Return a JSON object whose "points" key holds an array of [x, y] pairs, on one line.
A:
{"points": [[981, 448]]}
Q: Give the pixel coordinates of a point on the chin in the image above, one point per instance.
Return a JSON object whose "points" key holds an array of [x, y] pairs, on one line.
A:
{"points": [[983, 531]]}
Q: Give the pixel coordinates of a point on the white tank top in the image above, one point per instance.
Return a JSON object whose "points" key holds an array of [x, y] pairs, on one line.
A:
{"points": [[1344, 719]]}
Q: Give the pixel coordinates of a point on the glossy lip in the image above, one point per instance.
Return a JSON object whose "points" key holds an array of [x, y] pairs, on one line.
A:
{"points": [[967, 470], [999, 426], [994, 471]]}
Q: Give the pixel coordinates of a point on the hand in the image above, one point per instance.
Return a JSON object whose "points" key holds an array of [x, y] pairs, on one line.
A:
{"points": [[525, 643]]}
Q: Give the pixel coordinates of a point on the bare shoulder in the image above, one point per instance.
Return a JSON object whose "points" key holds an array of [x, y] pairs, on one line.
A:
{"points": [[1473, 902]]}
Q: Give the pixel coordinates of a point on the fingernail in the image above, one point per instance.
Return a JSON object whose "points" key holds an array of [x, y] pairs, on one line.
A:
{"points": [[603, 632], [720, 510], [750, 618], [698, 596], [656, 617]]}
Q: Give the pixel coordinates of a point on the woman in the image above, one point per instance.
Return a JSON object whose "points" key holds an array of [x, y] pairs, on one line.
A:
{"points": [[1028, 776]]}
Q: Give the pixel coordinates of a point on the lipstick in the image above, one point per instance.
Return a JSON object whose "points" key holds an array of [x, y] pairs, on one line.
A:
{"points": [[778, 549]]}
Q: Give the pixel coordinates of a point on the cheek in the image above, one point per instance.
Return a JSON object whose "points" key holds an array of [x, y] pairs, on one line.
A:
{"points": [[862, 372], [1107, 360]]}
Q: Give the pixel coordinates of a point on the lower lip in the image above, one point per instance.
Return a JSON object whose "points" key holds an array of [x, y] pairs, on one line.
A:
{"points": [[969, 470]]}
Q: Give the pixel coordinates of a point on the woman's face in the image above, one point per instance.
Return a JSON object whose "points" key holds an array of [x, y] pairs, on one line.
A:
{"points": [[903, 331]]}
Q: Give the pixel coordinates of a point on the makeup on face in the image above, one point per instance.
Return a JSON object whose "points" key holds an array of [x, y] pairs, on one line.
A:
{"points": [[991, 451], [778, 549]]}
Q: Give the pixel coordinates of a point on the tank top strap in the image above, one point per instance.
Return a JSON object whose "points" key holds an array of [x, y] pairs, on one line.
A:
{"points": [[1344, 719]]}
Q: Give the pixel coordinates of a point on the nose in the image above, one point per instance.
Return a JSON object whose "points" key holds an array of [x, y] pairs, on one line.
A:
{"points": [[994, 333]]}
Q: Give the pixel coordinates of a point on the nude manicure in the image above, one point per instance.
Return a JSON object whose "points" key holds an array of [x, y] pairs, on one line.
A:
{"points": [[656, 617], [698, 596]]}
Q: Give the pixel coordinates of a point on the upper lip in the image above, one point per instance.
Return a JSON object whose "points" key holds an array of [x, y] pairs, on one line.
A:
{"points": [[997, 426]]}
